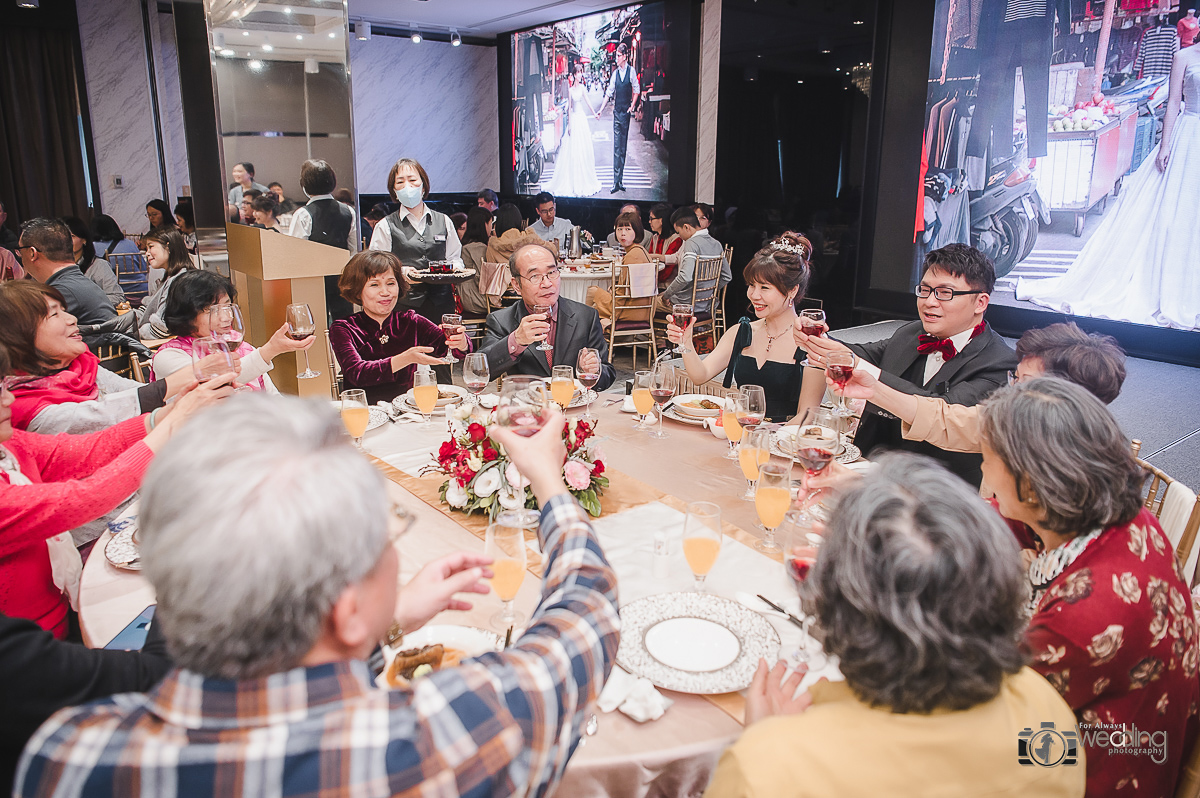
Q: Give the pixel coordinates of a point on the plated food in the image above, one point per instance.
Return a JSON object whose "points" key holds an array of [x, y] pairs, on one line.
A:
{"points": [[414, 662], [448, 396], [697, 405], [432, 648]]}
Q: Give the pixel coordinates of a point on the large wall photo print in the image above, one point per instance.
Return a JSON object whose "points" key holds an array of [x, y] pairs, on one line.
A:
{"points": [[1062, 137], [591, 108]]}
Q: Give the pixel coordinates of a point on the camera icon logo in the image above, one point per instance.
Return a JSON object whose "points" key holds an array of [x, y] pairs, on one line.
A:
{"points": [[1047, 747]]}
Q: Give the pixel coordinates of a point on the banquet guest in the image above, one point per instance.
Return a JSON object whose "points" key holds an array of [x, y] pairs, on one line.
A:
{"points": [[569, 326], [286, 206], [486, 198], [165, 250], [776, 278], [951, 352], [108, 238], [697, 244], [549, 226], [64, 388], [379, 347], [474, 252], [185, 220], [51, 484], [664, 241], [8, 239], [509, 237], [228, 563], [264, 209], [186, 316], [643, 238], [1113, 627], [921, 596], [158, 213], [46, 253], [246, 209], [628, 229], [703, 214], [97, 269], [243, 181], [1093, 361], [40, 675], [10, 267], [417, 234], [459, 222]]}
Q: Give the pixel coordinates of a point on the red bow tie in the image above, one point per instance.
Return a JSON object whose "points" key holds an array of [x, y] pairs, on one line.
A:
{"points": [[928, 344]]}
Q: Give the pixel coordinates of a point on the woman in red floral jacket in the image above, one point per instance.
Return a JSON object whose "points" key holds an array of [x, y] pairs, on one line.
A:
{"points": [[1112, 627]]}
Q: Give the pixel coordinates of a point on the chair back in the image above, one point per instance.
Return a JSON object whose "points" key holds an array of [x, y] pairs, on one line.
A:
{"points": [[335, 368], [704, 281], [132, 275], [684, 385], [117, 359], [632, 316], [1177, 509], [494, 279]]}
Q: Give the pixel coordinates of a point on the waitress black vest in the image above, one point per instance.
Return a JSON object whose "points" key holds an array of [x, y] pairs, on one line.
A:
{"points": [[418, 249], [331, 221], [623, 93]]}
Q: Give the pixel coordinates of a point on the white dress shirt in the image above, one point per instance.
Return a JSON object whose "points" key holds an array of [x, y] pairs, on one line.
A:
{"points": [[933, 361], [381, 239], [612, 82], [554, 232], [302, 223]]}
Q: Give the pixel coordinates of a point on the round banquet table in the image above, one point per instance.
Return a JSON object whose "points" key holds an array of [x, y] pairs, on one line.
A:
{"points": [[574, 285], [672, 756]]}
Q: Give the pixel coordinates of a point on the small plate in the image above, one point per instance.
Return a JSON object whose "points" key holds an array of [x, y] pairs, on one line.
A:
{"points": [[121, 551], [696, 412], [405, 402], [694, 642], [471, 640], [581, 397]]}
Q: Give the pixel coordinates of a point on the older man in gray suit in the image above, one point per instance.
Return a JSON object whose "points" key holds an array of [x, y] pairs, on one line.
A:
{"points": [[568, 326]]}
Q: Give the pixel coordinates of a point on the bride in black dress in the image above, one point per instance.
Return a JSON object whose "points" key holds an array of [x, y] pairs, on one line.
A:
{"points": [[760, 352]]}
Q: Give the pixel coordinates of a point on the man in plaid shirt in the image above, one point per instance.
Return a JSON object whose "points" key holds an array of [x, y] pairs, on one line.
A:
{"points": [[269, 543]]}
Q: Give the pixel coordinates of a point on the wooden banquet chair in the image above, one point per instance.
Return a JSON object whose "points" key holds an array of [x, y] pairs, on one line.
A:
{"points": [[684, 384], [705, 291], [335, 368], [133, 274], [720, 323], [632, 333], [118, 359], [1177, 509]]}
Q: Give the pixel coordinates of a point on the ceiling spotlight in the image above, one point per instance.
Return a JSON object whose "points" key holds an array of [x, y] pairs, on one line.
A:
{"points": [[267, 48], [333, 34], [28, 4], [799, 81], [256, 65], [227, 52], [858, 22], [287, 10], [362, 30], [455, 39], [299, 38], [416, 36], [245, 33]]}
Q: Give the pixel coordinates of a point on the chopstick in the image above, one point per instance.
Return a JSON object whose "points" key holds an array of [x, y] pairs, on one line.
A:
{"points": [[508, 638], [779, 609]]}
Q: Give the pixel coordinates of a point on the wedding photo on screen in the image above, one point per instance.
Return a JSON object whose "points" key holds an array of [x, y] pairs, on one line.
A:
{"points": [[1053, 142], [591, 107]]}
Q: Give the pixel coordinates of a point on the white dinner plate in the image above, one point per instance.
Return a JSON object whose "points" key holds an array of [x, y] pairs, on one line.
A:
{"points": [[696, 412], [377, 416], [694, 642], [406, 404], [470, 640], [581, 397], [120, 550], [672, 413]]}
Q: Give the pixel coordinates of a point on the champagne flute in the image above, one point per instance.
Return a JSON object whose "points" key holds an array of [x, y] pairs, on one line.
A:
{"points": [[524, 404], [505, 544], [643, 400], [300, 326], [701, 539], [772, 497], [734, 402], [212, 357], [355, 414], [754, 453], [476, 374], [812, 322], [225, 323], [425, 393], [682, 316], [562, 385], [544, 346], [840, 367], [587, 371], [450, 323], [662, 388]]}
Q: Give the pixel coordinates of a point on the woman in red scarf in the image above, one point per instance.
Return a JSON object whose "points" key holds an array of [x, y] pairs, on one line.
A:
{"points": [[66, 389], [51, 484], [665, 242], [1112, 624]]}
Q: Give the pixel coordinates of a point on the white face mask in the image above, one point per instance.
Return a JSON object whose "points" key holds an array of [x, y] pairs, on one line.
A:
{"points": [[409, 196]]}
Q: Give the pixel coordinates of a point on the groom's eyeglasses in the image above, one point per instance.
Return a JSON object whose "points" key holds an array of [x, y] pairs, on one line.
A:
{"points": [[538, 279]]}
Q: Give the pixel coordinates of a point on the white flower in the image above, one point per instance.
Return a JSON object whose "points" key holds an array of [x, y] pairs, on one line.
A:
{"points": [[512, 500], [474, 462], [486, 483], [514, 477], [456, 495], [462, 411]]}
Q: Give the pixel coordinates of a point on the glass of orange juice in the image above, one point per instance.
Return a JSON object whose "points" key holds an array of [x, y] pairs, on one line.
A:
{"points": [[425, 392], [754, 452], [772, 498], [505, 544], [734, 400], [562, 385], [355, 414], [701, 539], [643, 400]]}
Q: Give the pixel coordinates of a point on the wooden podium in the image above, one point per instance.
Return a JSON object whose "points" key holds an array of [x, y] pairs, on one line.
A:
{"points": [[271, 271]]}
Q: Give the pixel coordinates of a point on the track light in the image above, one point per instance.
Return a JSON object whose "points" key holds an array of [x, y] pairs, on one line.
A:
{"points": [[28, 4], [362, 30], [416, 36], [455, 39]]}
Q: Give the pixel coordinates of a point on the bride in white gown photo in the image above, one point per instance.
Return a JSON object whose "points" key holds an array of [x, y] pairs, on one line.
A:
{"points": [[575, 164], [1143, 263]]}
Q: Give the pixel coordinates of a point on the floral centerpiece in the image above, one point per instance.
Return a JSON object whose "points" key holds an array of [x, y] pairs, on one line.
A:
{"points": [[483, 479]]}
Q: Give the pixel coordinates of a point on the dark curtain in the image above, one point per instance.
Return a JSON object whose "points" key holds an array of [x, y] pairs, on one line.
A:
{"points": [[41, 158]]}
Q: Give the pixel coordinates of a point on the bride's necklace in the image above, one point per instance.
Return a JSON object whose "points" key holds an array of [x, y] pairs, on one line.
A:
{"points": [[772, 338]]}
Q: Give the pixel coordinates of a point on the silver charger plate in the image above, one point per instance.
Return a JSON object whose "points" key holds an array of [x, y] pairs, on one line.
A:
{"points": [[851, 453], [694, 642], [120, 550], [376, 416], [673, 414]]}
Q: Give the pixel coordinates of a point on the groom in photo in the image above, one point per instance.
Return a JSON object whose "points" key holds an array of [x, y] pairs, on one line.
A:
{"points": [[624, 91]]}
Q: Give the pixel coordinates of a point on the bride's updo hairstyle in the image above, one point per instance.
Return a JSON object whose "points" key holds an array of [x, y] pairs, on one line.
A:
{"points": [[783, 263]]}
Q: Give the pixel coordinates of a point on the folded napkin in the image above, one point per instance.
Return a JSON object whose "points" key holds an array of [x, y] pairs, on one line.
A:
{"points": [[643, 279], [634, 696]]}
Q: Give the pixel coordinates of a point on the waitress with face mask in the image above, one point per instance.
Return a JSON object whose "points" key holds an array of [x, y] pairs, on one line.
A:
{"points": [[418, 235]]}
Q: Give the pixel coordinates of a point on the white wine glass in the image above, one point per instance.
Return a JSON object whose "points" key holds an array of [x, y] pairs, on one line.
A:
{"points": [[225, 323], [754, 410], [701, 539], [662, 389], [450, 323], [524, 404], [772, 498], [587, 371], [300, 326], [355, 414], [476, 374], [505, 544]]}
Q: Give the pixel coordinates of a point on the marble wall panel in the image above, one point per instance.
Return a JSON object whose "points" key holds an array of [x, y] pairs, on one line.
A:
{"points": [[428, 101], [170, 104]]}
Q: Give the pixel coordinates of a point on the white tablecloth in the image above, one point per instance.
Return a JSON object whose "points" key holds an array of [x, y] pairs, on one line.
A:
{"points": [[575, 285]]}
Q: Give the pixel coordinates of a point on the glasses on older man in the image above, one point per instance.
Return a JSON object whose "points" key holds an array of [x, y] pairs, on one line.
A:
{"points": [[537, 280], [941, 293]]}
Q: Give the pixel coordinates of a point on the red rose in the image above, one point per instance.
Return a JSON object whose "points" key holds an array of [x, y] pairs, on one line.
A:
{"points": [[489, 454], [583, 430], [447, 450], [476, 432], [597, 468]]}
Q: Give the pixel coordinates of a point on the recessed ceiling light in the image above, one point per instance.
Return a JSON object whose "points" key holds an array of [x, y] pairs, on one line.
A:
{"points": [[245, 33], [256, 65], [299, 38], [333, 34], [799, 81], [857, 22], [225, 51], [826, 52], [267, 48], [416, 36], [287, 10]]}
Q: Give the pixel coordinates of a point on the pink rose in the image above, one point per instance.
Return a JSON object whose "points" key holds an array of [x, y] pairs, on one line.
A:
{"points": [[577, 474], [514, 477]]}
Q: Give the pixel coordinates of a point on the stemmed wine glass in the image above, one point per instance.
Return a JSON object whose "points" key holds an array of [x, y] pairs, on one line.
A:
{"points": [[476, 374], [681, 315], [450, 323], [662, 388], [754, 452], [212, 357], [701, 539], [587, 371], [562, 385], [425, 393], [545, 345], [812, 322], [355, 414], [772, 497], [754, 411], [300, 326], [801, 547], [524, 404], [815, 444], [505, 544], [840, 367], [225, 323], [643, 400]]}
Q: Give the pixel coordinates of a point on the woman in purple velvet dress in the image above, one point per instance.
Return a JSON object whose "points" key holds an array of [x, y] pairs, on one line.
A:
{"points": [[379, 347]]}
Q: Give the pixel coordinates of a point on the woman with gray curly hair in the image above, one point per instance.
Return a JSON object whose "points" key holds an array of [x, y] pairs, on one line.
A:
{"points": [[920, 593], [1113, 626]]}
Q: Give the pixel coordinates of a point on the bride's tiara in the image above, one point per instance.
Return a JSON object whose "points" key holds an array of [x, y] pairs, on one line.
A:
{"points": [[795, 249]]}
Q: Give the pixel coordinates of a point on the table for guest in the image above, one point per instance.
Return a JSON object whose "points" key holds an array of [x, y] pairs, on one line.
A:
{"points": [[651, 482], [574, 284]]}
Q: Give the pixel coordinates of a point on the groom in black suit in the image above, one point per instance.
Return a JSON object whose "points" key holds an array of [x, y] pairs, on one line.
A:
{"points": [[514, 332], [624, 91], [951, 352]]}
